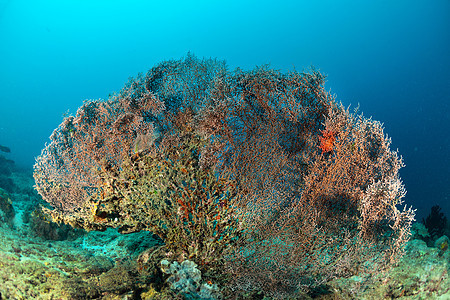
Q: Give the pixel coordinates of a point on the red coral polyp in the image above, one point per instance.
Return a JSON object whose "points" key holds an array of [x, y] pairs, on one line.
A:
{"points": [[327, 140]]}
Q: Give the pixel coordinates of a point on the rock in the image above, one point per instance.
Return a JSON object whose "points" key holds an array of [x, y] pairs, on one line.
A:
{"points": [[442, 243]]}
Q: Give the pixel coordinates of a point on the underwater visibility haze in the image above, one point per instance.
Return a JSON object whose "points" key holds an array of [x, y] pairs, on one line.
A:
{"points": [[213, 150]]}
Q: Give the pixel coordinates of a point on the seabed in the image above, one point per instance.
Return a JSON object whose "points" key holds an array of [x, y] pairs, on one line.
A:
{"points": [[106, 265]]}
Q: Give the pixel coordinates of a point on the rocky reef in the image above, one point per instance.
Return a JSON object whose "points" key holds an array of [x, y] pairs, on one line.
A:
{"points": [[109, 265]]}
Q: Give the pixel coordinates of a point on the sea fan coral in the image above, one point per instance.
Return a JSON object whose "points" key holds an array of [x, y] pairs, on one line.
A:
{"points": [[229, 175]]}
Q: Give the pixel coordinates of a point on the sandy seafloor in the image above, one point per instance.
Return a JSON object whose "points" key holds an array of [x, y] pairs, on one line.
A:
{"points": [[108, 265]]}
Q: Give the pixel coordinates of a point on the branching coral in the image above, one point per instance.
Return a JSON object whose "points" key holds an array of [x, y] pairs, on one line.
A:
{"points": [[225, 167]]}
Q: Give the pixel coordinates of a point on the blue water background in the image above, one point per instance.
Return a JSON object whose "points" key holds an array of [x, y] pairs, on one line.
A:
{"points": [[391, 57]]}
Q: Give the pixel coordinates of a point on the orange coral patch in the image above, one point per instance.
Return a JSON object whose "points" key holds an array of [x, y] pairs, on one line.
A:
{"points": [[327, 140]]}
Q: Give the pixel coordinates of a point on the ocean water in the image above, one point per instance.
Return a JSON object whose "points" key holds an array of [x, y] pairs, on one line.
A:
{"points": [[392, 58]]}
